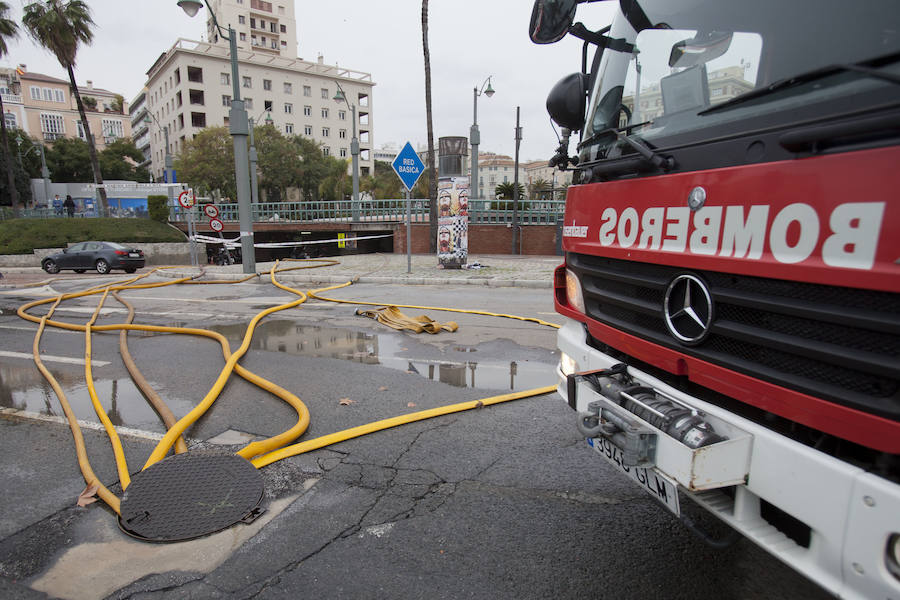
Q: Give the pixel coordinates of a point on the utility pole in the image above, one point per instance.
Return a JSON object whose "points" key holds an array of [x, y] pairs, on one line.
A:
{"points": [[515, 218]]}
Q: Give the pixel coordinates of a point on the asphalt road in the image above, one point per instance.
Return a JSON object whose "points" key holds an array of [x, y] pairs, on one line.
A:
{"points": [[500, 502]]}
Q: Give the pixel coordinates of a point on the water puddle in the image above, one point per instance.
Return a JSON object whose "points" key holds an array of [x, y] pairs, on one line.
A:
{"points": [[24, 388], [393, 350]]}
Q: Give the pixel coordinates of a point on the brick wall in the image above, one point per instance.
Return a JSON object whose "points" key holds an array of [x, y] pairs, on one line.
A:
{"points": [[485, 239]]}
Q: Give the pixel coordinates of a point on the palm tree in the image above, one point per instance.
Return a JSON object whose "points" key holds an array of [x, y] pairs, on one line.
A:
{"points": [[59, 26], [432, 191], [539, 189], [8, 29]]}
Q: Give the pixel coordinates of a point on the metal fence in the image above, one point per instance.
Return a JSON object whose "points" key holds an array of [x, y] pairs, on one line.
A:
{"points": [[529, 212]]}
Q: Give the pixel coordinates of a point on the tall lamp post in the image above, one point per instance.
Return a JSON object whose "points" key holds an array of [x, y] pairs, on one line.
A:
{"points": [[239, 128], [167, 173], [340, 96], [474, 134], [254, 188]]}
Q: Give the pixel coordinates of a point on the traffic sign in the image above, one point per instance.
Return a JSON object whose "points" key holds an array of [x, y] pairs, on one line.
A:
{"points": [[211, 211], [186, 198], [215, 224], [408, 166]]}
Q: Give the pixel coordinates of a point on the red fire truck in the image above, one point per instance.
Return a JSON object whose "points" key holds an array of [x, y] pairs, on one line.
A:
{"points": [[731, 283]]}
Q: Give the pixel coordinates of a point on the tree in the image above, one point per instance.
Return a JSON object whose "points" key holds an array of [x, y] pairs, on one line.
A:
{"points": [[312, 168], [69, 159], [207, 162], [504, 190], [277, 162], [539, 189], [8, 30], [120, 160], [432, 188], [21, 182], [336, 184], [60, 26]]}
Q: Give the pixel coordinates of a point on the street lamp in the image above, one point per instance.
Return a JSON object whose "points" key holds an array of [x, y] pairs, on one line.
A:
{"points": [[168, 159], [474, 135], [254, 189], [340, 96], [239, 128]]}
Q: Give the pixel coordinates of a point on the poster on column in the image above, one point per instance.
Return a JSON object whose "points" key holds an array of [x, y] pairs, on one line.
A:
{"points": [[453, 221]]}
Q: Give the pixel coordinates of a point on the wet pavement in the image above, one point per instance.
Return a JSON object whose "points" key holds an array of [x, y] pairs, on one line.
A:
{"points": [[500, 502]]}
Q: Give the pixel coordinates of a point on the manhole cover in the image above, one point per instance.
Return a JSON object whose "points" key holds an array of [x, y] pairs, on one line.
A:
{"points": [[190, 495]]}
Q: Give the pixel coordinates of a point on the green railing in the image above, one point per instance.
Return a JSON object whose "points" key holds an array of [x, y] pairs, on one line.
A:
{"points": [[530, 212]]}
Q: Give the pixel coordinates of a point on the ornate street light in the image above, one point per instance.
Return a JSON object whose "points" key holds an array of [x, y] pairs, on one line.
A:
{"points": [[239, 128], [474, 134], [340, 96]]}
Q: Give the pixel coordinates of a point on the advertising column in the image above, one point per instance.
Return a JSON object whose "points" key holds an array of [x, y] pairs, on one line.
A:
{"points": [[453, 203]]}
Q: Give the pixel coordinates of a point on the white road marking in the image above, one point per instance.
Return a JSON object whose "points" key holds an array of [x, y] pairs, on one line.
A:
{"points": [[51, 358]]}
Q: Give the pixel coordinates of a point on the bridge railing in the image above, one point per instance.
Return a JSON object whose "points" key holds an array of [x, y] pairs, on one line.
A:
{"points": [[529, 212]]}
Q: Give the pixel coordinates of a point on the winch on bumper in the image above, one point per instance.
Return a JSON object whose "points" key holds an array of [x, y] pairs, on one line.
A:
{"points": [[842, 522]]}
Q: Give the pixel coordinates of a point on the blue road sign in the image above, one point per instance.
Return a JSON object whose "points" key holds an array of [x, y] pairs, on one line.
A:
{"points": [[408, 166]]}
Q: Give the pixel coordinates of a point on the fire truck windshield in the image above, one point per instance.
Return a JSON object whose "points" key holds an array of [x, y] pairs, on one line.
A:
{"points": [[674, 60]]}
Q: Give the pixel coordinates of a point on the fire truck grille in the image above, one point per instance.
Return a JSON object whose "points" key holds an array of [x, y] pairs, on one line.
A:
{"points": [[837, 343]]}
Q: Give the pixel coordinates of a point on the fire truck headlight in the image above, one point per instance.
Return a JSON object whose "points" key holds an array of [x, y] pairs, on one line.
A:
{"points": [[573, 291], [567, 364], [892, 555]]}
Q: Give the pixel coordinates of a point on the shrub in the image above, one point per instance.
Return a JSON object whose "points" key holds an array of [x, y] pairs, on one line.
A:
{"points": [[157, 207]]}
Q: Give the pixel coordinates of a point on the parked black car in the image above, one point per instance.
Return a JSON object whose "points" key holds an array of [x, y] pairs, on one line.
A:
{"points": [[102, 256]]}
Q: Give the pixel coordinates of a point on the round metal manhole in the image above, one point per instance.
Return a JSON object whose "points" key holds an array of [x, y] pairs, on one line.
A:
{"points": [[190, 495]]}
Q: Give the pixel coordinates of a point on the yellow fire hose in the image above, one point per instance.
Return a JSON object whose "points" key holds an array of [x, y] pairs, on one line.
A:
{"points": [[259, 453]]}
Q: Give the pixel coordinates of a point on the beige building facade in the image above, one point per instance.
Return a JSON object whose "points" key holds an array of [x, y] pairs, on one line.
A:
{"points": [[264, 27], [190, 88], [44, 108]]}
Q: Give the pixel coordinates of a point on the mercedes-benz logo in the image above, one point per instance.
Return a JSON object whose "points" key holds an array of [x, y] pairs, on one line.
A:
{"points": [[688, 309]]}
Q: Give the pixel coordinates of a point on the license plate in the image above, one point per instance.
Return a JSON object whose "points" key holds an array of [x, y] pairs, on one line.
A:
{"points": [[133, 255], [657, 485]]}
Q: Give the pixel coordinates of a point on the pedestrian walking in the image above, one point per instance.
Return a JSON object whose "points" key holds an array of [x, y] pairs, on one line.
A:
{"points": [[58, 206], [69, 204]]}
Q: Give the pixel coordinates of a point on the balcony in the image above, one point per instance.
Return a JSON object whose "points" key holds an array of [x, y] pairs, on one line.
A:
{"points": [[52, 137], [11, 98]]}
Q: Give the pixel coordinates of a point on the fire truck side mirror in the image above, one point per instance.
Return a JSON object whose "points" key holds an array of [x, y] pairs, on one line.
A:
{"points": [[567, 100], [551, 20]]}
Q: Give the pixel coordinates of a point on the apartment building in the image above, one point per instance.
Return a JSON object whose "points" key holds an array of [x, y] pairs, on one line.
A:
{"points": [[265, 27], [494, 169], [140, 129], [44, 108], [190, 88]]}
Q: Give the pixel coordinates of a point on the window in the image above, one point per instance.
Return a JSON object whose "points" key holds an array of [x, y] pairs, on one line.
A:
{"points": [[326, 151], [343, 153], [307, 111], [242, 20], [252, 23], [307, 130], [283, 29], [325, 132], [198, 120], [243, 37], [289, 128], [267, 105], [112, 128], [246, 82], [59, 96], [225, 78], [177, 76], [288, 108], [267, 85], [342, 134], [36, 92], [80, 129], [226, 100], [262, 23], [307, 91], [196, 97], [48, 94], [342, 115], [273, 27], [288, 88], [283, 44], [325, 93], [195, 74], [11, 122], [178, 98], [53, 125], [274, 45], [324, 113], [248, 103]]}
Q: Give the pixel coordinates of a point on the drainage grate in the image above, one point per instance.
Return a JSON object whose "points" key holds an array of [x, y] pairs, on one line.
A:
{"points": [[190, 495]]}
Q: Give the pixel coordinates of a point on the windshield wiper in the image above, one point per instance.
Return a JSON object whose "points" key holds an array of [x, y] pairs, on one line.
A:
{"points": [[654, 158], [868, 67]]}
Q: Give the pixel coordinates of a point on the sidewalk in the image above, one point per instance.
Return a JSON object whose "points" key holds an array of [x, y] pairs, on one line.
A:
{"points": [[495, 271]]}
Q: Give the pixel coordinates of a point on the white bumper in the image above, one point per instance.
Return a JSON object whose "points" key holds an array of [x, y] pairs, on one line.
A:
{"points": [[852, 514]]}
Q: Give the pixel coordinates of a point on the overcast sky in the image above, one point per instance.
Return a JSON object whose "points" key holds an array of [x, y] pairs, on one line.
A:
{"points": [[468, 39]]}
